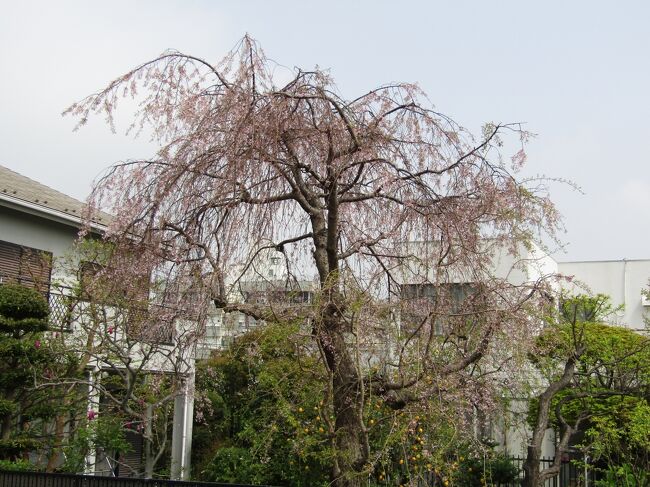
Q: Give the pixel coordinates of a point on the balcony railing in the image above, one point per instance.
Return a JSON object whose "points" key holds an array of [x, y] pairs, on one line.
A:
{"points": [[66, 309]]}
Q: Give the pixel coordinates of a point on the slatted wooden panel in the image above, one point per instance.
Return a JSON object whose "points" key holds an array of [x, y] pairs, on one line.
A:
{"points": [[25, 265], [9, 262], [132, 461]]}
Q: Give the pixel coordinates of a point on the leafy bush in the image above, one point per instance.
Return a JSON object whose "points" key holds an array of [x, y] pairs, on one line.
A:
{"points": [[22, 309], [233, 464], [23, 356], [17, 466], [263, 424], [15, 446], [625, 476], [106, 433]]}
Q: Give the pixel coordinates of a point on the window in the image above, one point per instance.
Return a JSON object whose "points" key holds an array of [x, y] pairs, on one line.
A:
{"points": [[457, 292], [99, 284], [88, 273], [277, 295], [419, 300], [302, 297], [25, 266]]}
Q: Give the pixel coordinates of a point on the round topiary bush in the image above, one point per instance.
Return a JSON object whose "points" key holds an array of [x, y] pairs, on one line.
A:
{"points": [[22, 308]]}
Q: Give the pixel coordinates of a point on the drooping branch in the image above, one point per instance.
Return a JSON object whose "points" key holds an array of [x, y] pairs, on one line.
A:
{"points": [[340, 188]]}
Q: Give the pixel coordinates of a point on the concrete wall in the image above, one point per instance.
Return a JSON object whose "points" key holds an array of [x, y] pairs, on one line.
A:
{"points": [[528, 266], [622, 280], [512, 432], [525, 265]]}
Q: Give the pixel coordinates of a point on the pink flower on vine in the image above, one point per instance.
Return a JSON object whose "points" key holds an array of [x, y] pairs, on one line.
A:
{"points": [[92, 414], [37, 344]]}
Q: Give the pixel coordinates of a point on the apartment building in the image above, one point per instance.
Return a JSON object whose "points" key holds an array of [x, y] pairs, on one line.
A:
{"points": [[625, 281]]}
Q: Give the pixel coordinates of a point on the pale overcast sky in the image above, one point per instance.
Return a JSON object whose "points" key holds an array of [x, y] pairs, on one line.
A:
{"points": [[577, 72]]}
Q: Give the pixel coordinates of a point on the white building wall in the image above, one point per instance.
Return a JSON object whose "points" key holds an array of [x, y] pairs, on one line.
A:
{"points": [[527, 264], [38, 233], [530, 265], [622, 280], [513, 433]]}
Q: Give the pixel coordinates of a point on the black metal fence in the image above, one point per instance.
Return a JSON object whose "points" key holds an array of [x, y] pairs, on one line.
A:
{"points": [[571, 474], [41, 479]]}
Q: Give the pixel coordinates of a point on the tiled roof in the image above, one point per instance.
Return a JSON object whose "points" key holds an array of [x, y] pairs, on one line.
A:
{"points": [[19, 187]]}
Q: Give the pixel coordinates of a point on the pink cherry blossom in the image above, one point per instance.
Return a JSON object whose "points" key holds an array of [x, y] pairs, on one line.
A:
{"points": [[362, 197]]}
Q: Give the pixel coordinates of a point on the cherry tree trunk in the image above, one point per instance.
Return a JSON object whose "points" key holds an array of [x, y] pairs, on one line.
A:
{"points": [[532, 474], [59, 433], [348, 407]]}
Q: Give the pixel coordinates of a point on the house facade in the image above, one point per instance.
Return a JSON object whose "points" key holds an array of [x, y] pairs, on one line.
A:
{"points": [[38, 228], [264, 282]]}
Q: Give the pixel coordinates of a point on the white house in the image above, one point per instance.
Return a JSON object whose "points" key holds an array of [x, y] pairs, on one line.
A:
{"points": [[39, 225]]}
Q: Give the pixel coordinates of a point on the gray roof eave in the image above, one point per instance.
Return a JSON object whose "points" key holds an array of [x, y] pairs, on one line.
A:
{"points": [[47, 213]]}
